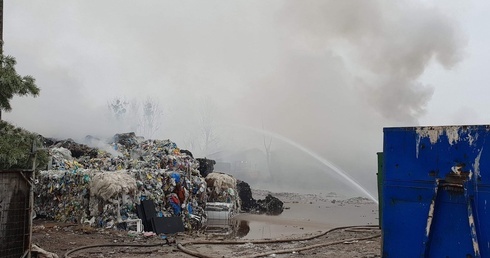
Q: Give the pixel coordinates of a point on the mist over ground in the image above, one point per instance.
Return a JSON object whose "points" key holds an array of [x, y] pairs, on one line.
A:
{"points": [[231, 80]]}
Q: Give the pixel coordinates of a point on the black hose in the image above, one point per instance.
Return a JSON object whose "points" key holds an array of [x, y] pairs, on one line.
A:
{"points": [[285, 240], [193, 253], [299, 249], [196, 254], [110, 245]]}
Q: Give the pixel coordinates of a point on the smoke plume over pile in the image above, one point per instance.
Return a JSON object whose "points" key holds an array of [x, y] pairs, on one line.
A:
{"points": [[326, 74], [386, 46]]}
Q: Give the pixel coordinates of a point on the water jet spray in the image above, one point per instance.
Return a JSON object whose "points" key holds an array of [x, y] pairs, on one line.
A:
{"points": [[322, 160]]}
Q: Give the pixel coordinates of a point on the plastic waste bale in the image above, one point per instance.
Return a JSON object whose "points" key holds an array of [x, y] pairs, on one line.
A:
{"points": [[107, 185], [223, 188], [104, 189], [62, 195]]}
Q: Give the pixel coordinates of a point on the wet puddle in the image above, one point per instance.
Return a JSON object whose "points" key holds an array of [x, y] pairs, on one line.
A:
{"points": [[232, 228], [300, 219], [253, 228]]}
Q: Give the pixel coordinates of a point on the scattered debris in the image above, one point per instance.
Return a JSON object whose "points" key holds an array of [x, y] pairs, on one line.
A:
{"points": [[270, 205], [41, 253], [245, 194]]}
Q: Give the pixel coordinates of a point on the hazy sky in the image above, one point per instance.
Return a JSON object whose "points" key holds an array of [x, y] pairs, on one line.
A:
{"points": [[328, 75]]}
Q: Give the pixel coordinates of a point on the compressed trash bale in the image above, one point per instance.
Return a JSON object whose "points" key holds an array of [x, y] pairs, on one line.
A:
{"points": [[220, 181], [111, 184], [222, 188], [62, 195]]}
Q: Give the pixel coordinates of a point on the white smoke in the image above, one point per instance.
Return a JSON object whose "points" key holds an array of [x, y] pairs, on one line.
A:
{"points": [[385, 45], [325, 74]]}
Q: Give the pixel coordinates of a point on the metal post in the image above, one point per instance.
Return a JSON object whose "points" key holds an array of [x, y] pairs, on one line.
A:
{"points": [[1, 38], [31, 202], [1, 26]]}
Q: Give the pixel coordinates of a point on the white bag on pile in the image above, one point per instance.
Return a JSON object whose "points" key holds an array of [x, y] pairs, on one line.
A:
{"points": [[107, 185]]}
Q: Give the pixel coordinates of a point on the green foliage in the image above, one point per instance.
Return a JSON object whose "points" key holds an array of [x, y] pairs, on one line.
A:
{"points": [[16, 148], [11, 83]]}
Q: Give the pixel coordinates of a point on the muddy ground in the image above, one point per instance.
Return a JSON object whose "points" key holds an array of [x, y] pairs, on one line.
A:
{"points": [[305, 216]]}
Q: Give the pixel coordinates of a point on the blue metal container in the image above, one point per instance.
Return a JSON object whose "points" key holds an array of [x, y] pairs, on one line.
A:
{"points": [[435, 191]]}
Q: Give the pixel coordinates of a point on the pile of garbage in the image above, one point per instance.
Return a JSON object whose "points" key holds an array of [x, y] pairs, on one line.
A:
{"points": [[103, 186], [248, 203], [270, 205]]}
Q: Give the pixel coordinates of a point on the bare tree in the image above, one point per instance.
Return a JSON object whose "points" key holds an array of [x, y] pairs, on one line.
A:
{"points": [[208, 132], [118, 108], [151, 118], [189, 141], [133, 116], [144, 119], [267, 147]]}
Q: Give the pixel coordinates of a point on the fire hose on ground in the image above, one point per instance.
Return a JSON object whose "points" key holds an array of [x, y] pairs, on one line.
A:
{"points": [[351, 228], [181, 246], [66, 255]]}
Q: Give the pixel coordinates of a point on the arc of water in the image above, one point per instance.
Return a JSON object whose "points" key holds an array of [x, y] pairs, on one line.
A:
{"points": [[327, 163]]}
